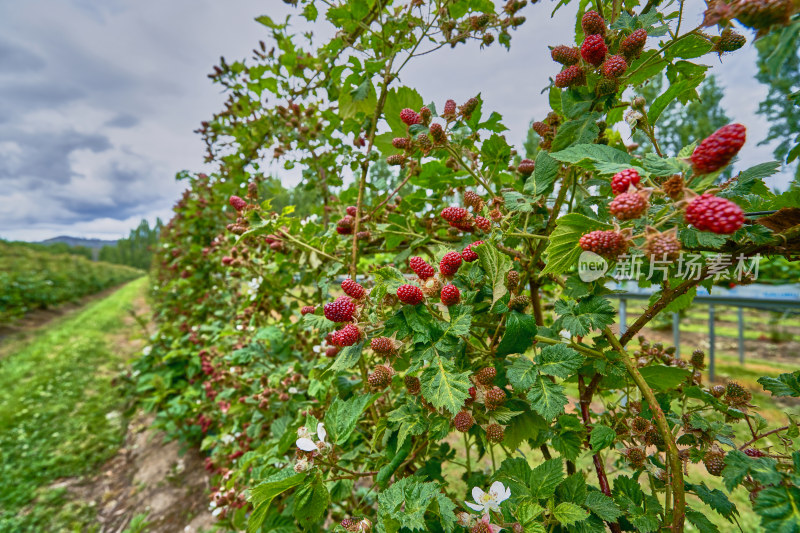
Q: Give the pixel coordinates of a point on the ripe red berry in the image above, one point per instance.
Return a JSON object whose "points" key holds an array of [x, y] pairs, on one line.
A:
{"points": [[593, 24], [450, 263], [614, 67], [340, 310], [566, 55], [454, 214], [717, 150], [609, 244], [353, 289], [483, 224], [421, 268], [752, 452], [485, 376], [449, 109], [450, 295], [495, 433], [628, 205], [526, 167], [345, 225], [631, 47], [570, 77], [347, 336], [469, 255], [410, 117], [463, 421], [308, 309], [717, 215], [331, 351], [594, 49], [622, 180], [383, 345], [352, 210], [237, 203], [410, 294]]}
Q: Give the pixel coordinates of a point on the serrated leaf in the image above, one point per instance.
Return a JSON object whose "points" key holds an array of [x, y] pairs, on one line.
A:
{"points": [[318, 322], [544, 175], [738, 466], [582, 130], [594, 312], [544, 479], [673, 91], [563, 251], [664, 378], [443, 387], [348, 357], [522, 373], [387, 280], [342, 416], [784, 385], [496, 266], [716, 499], [601, 437], [495, 152], [262, 495], [460, 321], [568, 513], [559, 360], [519, 335], [603, 506], [396, 100], [409, 420], [311, 501], [593, 156], [405, 503], [547, 398], [779, 509], [700, 521]]}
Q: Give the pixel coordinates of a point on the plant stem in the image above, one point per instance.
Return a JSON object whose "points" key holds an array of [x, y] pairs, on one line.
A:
{"points": [[469, 460]]}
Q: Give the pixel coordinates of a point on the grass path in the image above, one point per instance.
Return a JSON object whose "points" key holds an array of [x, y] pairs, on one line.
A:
{"points": [[62, 408]]}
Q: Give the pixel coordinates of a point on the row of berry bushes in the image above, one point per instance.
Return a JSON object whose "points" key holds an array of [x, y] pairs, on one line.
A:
{"points": [[379, 351]]}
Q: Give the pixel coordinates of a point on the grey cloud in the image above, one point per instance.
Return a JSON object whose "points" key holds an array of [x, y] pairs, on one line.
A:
{"points": [[15, 59], [123, 120]]}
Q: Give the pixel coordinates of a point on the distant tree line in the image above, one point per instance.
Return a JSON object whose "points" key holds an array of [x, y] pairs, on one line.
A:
{"points": [[137, 249]]}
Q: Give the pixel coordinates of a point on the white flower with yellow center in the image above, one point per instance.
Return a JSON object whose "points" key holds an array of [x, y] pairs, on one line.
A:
{"points": [[489, 501]]}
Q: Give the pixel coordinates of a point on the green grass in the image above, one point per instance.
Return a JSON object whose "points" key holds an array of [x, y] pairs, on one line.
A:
{"points": [[61, 415]]}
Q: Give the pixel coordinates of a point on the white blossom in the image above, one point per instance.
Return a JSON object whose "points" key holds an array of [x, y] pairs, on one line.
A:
{"points": [[489, 501]]}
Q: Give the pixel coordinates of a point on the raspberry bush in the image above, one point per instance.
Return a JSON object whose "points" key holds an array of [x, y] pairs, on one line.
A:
{"points": [[403, 342]]}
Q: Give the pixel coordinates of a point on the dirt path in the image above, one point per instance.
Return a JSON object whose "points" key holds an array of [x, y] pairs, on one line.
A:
{"points": [[147, 480]]}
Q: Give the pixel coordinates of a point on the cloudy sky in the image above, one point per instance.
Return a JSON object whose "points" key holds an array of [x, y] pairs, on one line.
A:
{"points": [[99, 100]]}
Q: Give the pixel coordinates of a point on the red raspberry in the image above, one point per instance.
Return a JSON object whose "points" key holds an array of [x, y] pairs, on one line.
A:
{"points": [[353, 289], [345, 225], [421, 268], [308, 309], [237, 203], [570, 77], [609, 244], [349, 524], [450, 295], [485, 376], [483, 224], [381, 377], [413, 385], [495, 433], [352, 210], [437, 134], [410, 117], [526, 167], [347, 336], [401, 143], [227, 260], [410, 294], [468, 108], [449, 109], [469, 255], [717, 150], [628, 205], [463, 421], [331, 351], [383, 345], [622, 180], [566, 55], [717, 215], [341, 310], [593, 50], [454, 214], [593, 24], [614, 67], [467, 225], [449, 264], [631, 47], [752, 452]]}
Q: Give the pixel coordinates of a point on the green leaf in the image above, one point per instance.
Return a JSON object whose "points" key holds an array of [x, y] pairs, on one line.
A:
{"points": [[547, 398], [691, 238], [582, 130], [568, 444], [341, 417], [522, 373], [689, 47], [544, 175], [563, 251], [409, 420], [783, 385], [664, 378], [347, 358], [404, 504], [559, 360], [396, 100], [387, 280], [544, 479], [599, 157], [495, 152], [738, 466], [311, 502], [460, 321], [443, 387], [716, 499], [674, 91], [779, 509], [313, 321], [519, 335], [262, 495], [601, 437], [700, 521], [594, 312], [496, 266], [603, 506], [568, 513]]}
